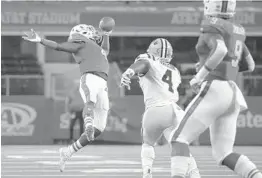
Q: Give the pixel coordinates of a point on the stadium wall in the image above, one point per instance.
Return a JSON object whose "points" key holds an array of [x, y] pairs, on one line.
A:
{"points": [[173, 18], [37, 120]]}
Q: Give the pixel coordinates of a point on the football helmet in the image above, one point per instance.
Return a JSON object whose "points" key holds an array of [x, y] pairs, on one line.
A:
{"points": [[161, 49], [220, 8], [87, 31]]}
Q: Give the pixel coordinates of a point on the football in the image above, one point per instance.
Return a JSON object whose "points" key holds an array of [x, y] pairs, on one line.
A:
{"points": [[107, 24]]}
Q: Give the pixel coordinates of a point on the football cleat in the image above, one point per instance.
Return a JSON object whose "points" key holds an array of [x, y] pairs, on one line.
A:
{"points": [[64, 156]]}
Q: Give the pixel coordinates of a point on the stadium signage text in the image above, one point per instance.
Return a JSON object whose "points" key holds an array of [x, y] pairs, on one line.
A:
{"points": [[38, 18], [249, 120], [194, 18]]}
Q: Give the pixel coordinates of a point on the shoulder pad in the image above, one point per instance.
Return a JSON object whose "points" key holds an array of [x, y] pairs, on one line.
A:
{"points": [[213, 25], [77, 38], [144, 56]]}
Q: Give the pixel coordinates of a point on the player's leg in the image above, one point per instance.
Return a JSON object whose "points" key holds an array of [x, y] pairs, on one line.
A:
{"points": [[95, 97], [155, 121], [208, 105], [193, 171], [89, 88], [222, 136], [101, 110]]}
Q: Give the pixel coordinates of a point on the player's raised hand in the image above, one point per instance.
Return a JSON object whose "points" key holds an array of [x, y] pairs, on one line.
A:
{"points": [[107, 25], [32, 36]]}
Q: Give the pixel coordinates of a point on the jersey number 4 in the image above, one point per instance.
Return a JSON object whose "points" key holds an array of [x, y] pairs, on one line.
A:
{"points": [[167, 78]]}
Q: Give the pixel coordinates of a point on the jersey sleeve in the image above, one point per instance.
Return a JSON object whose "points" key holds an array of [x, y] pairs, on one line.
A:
{"points": [[142, 64], [177, 81], [77, 38], [212, 25], [71, 47]]}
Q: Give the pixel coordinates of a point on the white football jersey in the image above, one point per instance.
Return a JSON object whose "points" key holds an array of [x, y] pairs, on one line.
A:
{"points": [[159, 84]]}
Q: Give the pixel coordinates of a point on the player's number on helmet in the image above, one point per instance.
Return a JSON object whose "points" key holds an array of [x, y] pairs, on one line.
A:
{"points": [[237, 53], [167, 78]]}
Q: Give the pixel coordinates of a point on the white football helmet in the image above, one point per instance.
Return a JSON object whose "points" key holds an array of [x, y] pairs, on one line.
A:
{"points": [[161, 49], [87, 31], [220, 8]]}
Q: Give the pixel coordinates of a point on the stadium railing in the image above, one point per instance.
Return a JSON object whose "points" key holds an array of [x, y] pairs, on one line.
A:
{"points": [[249, 83], [22, 85]]}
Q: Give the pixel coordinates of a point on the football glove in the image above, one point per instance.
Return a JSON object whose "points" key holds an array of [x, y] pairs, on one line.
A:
{"points": [[126, 78], [32, 36]]}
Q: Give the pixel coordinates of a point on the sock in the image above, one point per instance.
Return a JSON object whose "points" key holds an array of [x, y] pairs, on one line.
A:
{"points": [[193, 171], [147, 157], [75, 147], [242, 166], [180, 159], [82, 142]]}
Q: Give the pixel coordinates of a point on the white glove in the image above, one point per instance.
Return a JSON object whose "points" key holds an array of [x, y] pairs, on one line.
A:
{"points": [[195, 84], [106, 33], [32, 36], [126, 78]]}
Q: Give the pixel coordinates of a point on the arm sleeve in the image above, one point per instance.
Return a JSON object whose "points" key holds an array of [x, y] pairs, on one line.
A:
{"points": [[105, 44], [218, 48], [140, 67], [247, 63], [70, 47]]}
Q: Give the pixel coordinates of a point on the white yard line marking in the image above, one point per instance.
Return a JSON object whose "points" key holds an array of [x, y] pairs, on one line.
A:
{"points": [[50, 156], [104, 175], [116, 162]]}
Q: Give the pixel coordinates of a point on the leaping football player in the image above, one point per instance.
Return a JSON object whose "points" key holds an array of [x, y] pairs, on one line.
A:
{"points": [[158, 80], [83, 43], [221, 49]]}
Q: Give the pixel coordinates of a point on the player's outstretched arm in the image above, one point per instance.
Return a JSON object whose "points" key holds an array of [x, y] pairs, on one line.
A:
{"points": [[140, 68], [247, 64], [218, 51], [70, 47]]}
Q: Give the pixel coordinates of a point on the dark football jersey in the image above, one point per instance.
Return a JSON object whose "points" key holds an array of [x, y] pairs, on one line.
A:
{"points": [[91, 57], [234, 37]]}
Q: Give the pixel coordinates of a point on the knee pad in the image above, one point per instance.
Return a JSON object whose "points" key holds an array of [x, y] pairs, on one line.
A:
{"points": [[88, 110], [147, 151]]}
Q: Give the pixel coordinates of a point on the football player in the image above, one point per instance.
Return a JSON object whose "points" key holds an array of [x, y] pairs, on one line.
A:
{"points": [[158, 80], [221, 46], [84, 44]]}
